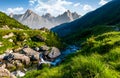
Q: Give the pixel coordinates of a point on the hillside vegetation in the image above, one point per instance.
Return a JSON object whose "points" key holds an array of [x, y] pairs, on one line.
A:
{"points": [[14, 35], [98, 58], [10, 22], [13, 39]]}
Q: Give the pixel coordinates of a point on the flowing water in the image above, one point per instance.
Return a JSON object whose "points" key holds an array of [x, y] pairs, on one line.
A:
{"points": [[69, 50]]}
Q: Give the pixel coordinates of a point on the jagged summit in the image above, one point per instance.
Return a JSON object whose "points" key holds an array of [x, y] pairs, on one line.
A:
{"points": [[33, 20]]}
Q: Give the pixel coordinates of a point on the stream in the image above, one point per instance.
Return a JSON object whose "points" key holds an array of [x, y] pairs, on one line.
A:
{"points": [[69, 50]]}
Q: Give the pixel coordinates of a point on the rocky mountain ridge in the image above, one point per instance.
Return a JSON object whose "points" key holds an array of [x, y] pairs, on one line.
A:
{"points": [[35, 21]]}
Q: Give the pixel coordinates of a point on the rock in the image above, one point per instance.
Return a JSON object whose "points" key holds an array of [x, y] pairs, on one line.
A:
{"points": [[37, 48], [8, 51], [18, 73], [5, 27], [1, 44], [44, 48], [46, 53], [38, 38], [12, 76], [4, 73], [55, 52], [17, 50], [2, 57], [34, 55], [8, 36], [10, 40], [8, 57], [10, 67], [18, 64], [25, 59]]}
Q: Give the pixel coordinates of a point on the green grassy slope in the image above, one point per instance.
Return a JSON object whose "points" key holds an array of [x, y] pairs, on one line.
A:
{"points": [[27, 37], [98, 58], [10, 22]]}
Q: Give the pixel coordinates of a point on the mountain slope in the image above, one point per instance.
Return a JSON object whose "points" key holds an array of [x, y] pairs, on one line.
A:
{"points": [[107, 14], [35, 21], [32, 20], [66, 17], [6, 22]]}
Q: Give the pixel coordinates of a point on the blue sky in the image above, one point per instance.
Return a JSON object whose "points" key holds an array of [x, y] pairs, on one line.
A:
{"points": [[55, 7]]}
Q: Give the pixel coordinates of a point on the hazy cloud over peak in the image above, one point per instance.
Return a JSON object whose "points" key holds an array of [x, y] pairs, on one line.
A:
{"points": [[103, 2]]}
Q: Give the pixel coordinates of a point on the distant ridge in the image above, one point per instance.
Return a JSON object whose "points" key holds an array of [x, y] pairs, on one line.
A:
{"points": [[48, 21], [107, 14]]}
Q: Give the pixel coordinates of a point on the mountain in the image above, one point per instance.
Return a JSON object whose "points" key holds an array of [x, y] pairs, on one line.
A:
{"points": [[35, 21], [7, 22], [32, 20], [66, 17], [63, 18], [108, 14]]}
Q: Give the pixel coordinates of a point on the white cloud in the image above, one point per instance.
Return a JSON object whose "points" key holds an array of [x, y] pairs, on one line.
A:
{"points": [[103, 2], [76, 5], [54, 7], [87, 7], [32, 2], [16, 10]]}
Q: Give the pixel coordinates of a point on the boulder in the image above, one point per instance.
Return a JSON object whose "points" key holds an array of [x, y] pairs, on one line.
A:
{"points": [[10, 67], [9, 51], [38, 38], [9, 57], [16, 56], [12, 76], [25, 59], [2, 57], [46, 53], [44, 48], [36, 48], [34, 55], [55, 52], [17, 50], [10, 40], [18, 64], [4, 73], [8, 36]]}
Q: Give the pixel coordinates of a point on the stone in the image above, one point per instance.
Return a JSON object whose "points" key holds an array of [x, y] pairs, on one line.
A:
{"points": [[34, 55], [9, 51], [8, 36], [12, 76], [44, 48], [1, 44], [2, 57], [4, 73], [46, 53], [18, 73], [18, 64], [10, 66], [17, 49], [55, 52], [38, 38], [10, 40], [25, 59], [8, 57], [37, 48]]}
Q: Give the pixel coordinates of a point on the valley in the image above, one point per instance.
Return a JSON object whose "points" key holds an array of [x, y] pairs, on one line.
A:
{"points": [[64, 46]]}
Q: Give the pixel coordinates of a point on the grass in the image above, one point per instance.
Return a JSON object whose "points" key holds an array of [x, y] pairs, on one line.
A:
{"points": [[98, 58], [23, 37], [10, 22]]}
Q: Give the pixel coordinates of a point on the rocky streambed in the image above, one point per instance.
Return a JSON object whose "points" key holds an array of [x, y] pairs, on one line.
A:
{"points": [[16, 64]]}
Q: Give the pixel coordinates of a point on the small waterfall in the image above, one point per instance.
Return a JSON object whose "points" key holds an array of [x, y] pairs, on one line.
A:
{"points": [[58, 60]]}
